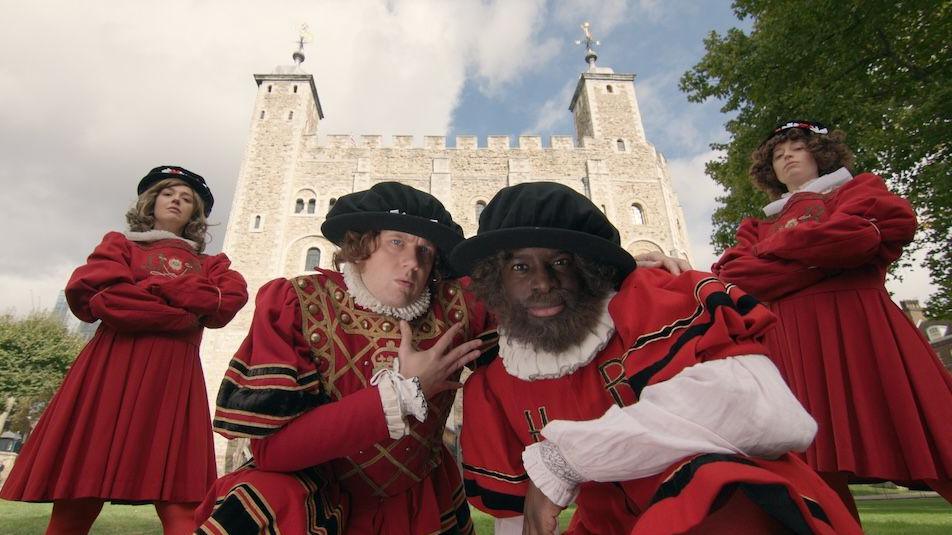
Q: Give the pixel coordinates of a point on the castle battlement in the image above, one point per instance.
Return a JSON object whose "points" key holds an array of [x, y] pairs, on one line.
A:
{"points": [[461, 142]]}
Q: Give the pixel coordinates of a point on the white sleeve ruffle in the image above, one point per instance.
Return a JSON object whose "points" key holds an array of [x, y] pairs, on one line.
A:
{"points": [[400, 397], [738, 405]]}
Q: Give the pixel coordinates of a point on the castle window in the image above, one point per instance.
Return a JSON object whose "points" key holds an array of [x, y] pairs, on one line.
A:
{"points": [[295, 89], [290, 115], [298, 206], [311, 205], [603, 209], [313, 260], [257, 223], [330, 203], [621, 145], [262, 115], [269, 89], [480, 206], [609, 88], [638, 214]]}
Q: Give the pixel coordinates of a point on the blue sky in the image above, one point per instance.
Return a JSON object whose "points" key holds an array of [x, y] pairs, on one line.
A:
{"points": [[97, 92]]}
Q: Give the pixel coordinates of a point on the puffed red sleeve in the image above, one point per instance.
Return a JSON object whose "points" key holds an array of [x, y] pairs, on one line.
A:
{"points": [[766, 277], [215, 294], [670, 322], [273, 392], [233, 290], [865, 221], [495, 479], [104, 288]]}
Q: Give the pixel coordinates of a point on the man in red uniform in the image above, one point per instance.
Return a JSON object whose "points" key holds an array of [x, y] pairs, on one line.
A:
{"points": [[642, 396], [346, 436]]}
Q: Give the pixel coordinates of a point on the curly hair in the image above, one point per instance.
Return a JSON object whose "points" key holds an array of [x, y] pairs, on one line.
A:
{"points": [[358, 246], [596, 278], [829, 151], [141, 217]]}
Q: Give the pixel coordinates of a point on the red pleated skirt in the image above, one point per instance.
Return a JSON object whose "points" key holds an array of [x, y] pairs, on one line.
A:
{"points": [[130, 423], [877, 390]]}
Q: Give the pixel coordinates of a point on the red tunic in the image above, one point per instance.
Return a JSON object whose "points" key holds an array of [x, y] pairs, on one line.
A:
{"points": [[663, 325], [859, 366], [130, 421], [299, 386]]}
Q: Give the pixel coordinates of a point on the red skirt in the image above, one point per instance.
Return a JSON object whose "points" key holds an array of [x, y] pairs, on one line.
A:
{"points": [[130, 423], [874, 385], [251, 501], [715, 494]]}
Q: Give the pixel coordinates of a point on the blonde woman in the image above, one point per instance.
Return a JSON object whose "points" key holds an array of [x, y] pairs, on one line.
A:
{"points": [[130, 422]]}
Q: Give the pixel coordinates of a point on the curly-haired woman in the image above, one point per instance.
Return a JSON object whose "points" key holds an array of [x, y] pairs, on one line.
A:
{"points": [[130, 423], [859, 366]]}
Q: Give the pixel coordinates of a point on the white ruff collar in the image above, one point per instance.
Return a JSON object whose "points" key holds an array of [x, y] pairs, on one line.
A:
{"points": [[529, 364], [363, 297], [823, 184], [156, 235]]}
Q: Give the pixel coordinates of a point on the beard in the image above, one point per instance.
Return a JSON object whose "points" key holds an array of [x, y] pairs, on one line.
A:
{"points": [[554, 334]]}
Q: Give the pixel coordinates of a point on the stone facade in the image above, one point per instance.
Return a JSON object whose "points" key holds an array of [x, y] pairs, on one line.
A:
{"points": [[291, 175]]}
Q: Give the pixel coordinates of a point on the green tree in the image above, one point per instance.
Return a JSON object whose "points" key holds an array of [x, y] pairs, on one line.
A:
{"points": [[880, 70], [35, 353]]}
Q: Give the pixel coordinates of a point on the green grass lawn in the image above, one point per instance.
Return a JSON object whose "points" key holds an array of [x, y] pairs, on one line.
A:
{"points": [[921, 516]]}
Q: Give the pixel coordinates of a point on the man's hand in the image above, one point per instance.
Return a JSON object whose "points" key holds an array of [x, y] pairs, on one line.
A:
{"points": [[541, 515], [657, 260], [436, 365]]}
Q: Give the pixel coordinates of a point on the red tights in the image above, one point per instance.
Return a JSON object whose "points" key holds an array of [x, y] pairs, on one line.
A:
{"points": [[76, 517]]}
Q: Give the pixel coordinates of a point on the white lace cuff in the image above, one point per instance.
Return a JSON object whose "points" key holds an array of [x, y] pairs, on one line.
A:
{"points": [[551, 473], [391, 404], [400, 397]]}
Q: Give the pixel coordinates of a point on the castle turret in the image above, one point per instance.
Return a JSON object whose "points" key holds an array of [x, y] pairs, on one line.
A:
{"points": [[604, 104]]}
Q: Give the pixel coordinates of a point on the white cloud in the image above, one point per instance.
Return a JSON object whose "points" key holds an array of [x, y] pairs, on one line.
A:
{"points": [[553, 110], [96, 93], [696, 192]]}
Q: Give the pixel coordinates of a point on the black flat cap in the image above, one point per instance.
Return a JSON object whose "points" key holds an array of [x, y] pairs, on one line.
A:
{"points": [[543, 214], [394, 206], [195, 181]]}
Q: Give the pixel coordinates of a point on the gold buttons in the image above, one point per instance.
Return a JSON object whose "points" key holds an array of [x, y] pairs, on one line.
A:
{"points": [[365, 324], [302, 283], [315, 338], [457, 315], [345, 318], [386, 326], [339, 295], [312, 308], [451, 290]]}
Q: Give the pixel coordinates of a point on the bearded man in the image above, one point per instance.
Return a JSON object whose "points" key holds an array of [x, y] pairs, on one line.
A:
{"points": [[652, 407]]}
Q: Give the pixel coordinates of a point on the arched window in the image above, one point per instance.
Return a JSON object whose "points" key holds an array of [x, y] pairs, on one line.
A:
{"points": [[638, 214], [313, 259], [295, 89], [311, 205], [609, 88], [621, 145], [330, 203], [298, 206], [290, 115], [480, 206], [269, 89], [257, 222], [262, 115]]}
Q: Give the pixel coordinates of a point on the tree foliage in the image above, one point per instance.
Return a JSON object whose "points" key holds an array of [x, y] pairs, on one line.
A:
{"points": [[35, 353], [880, 70]]}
